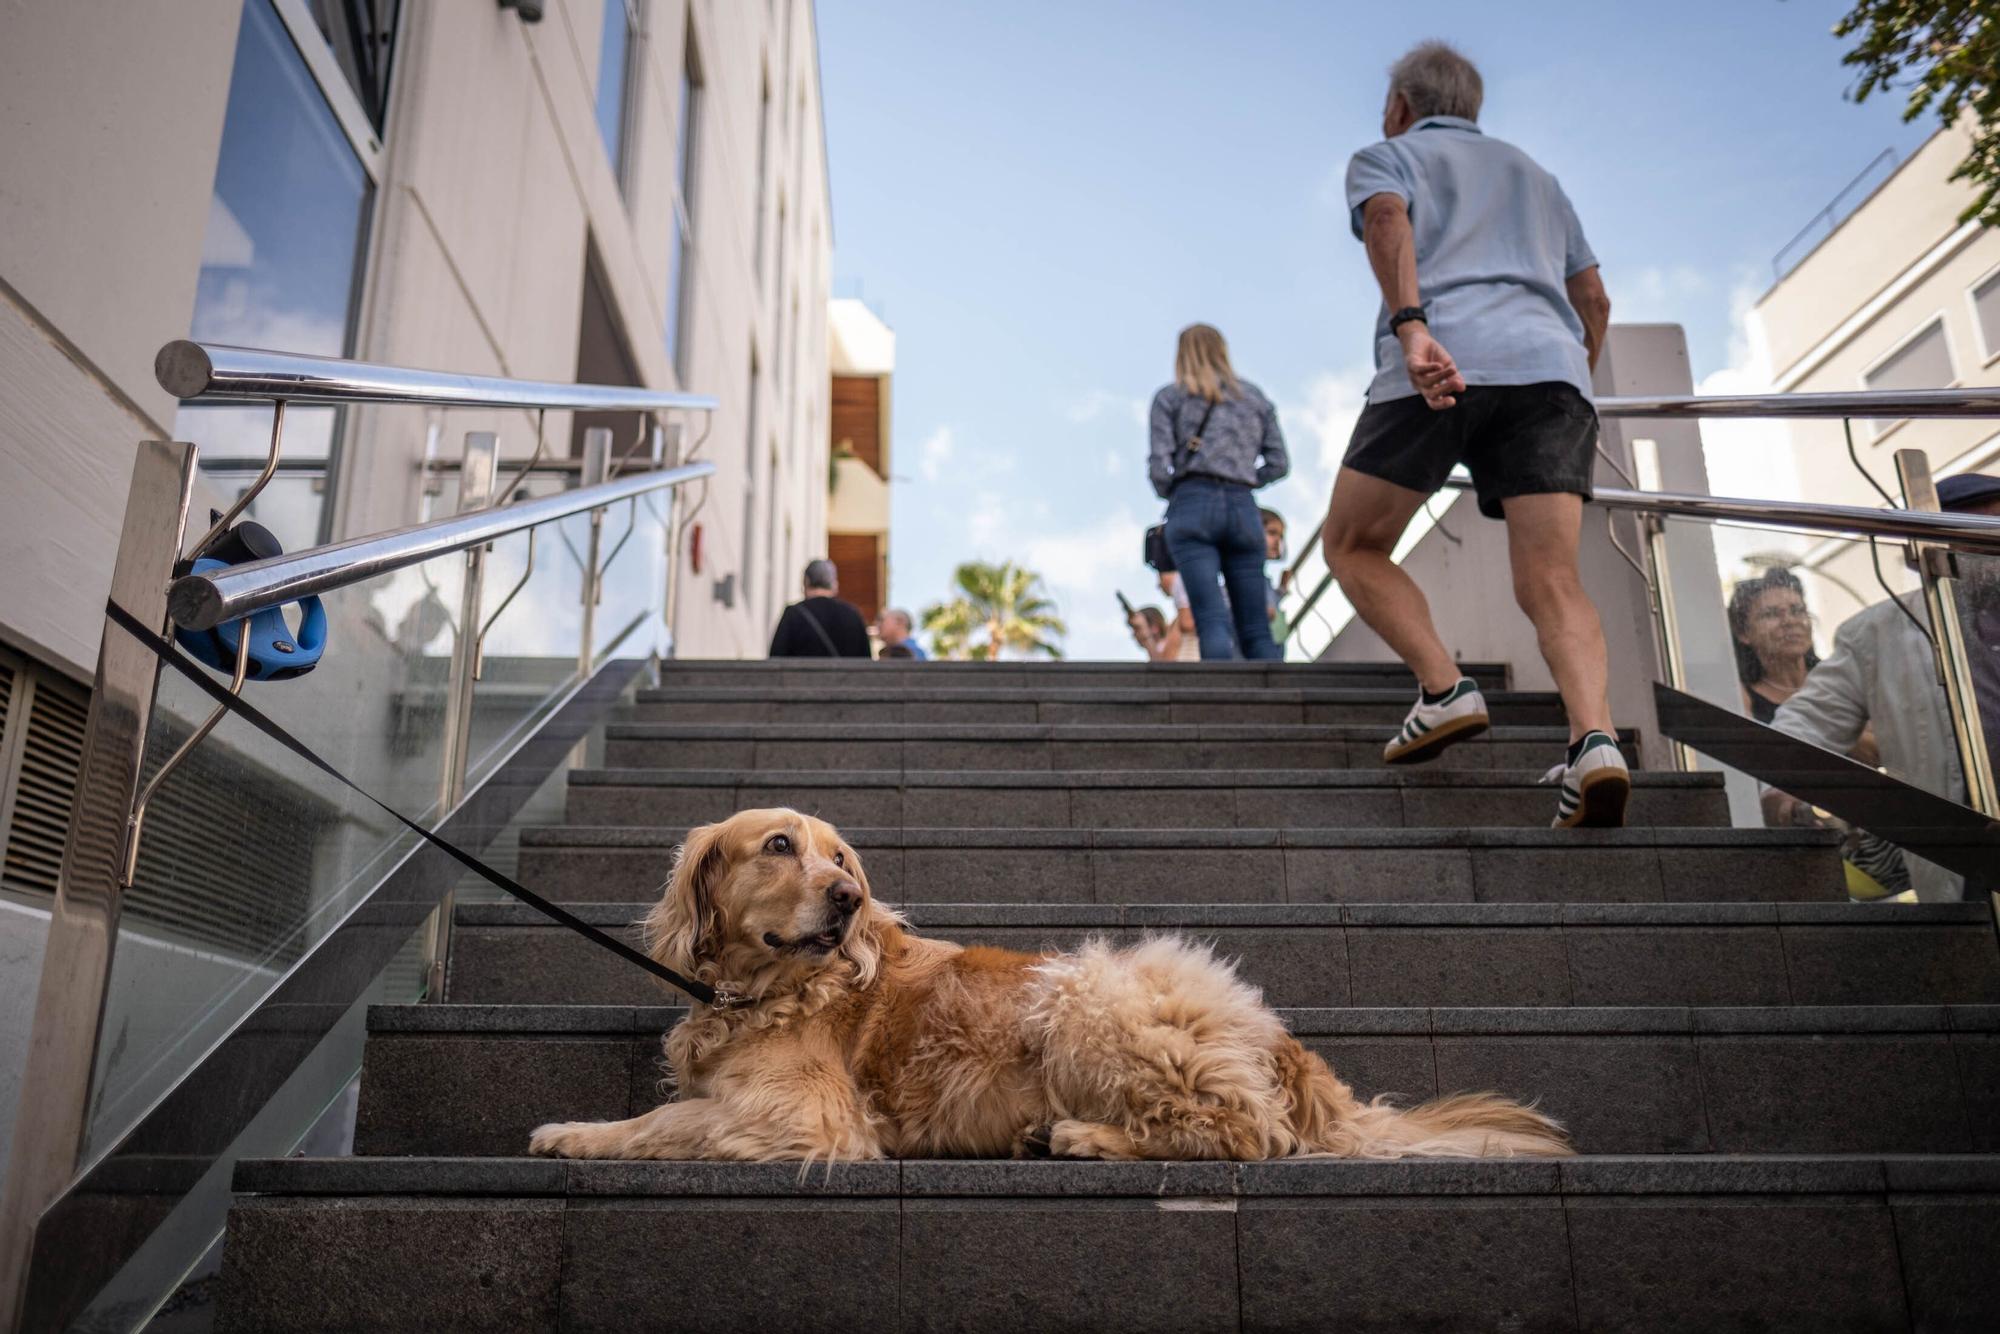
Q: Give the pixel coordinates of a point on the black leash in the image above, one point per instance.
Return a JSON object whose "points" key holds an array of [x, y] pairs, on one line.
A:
{"points": [[249, 713]]}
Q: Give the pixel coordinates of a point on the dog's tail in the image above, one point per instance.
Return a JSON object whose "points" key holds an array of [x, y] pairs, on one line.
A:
{"points": [[1331, 1120]]}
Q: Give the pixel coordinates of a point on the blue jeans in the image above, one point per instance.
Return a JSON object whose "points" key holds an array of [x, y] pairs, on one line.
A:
{"points": [[1214, 529]]}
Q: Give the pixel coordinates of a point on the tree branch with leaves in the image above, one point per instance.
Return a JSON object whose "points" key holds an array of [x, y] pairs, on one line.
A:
{"points": [[998, 609], [1947, 53]]}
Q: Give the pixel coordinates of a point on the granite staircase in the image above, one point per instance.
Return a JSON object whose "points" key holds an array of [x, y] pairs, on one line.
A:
{"points": [[1787, 1106]]}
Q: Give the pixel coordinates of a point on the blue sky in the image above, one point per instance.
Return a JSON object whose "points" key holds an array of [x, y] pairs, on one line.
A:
{"points": [[1038, 195]]}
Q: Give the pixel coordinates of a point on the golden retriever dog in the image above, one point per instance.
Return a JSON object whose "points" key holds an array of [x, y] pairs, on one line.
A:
{"points": [[859, 1039]]}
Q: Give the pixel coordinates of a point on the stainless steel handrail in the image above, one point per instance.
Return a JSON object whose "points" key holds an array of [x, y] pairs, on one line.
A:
{"points": [[1962, 532], [217, 373], [1972, 401], [1977, 533], [203, 601]]}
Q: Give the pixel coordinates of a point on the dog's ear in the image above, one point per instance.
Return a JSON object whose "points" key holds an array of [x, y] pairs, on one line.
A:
{"points": [[680, 931], [871, 928], [859, 872]]}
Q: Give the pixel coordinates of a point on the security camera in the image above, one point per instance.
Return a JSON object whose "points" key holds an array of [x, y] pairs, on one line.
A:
{"points": [[530, 10]]}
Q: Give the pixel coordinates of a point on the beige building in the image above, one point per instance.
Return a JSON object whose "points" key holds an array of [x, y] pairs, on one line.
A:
{"points": [[862, 354], [619, 191], [633, 193], [1899, 295]]}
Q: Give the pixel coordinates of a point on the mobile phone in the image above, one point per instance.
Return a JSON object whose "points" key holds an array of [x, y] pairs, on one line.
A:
{"points": [[1129, 613]]}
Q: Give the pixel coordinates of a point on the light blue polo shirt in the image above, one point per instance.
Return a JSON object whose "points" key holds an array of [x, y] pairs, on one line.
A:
{"points": [[1496, 240]]}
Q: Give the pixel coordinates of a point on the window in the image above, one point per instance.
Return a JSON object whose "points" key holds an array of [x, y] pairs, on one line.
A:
{"points": [[362, 36], [680, 254], [763, 169], [750, 481], [280, 262], [1923, 362], [1986, 314], [602, 357], [617, 64]]}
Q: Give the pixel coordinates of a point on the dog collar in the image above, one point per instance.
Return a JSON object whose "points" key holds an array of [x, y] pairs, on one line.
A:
{"points": [[727, 997]]}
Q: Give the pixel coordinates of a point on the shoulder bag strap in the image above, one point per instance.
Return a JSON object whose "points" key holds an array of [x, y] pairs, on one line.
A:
{"points": [[832, 650], [1182, 459]]}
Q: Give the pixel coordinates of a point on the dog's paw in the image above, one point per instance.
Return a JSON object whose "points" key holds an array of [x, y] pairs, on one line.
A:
{"points": [[1033, 1142], [559, 1139]]}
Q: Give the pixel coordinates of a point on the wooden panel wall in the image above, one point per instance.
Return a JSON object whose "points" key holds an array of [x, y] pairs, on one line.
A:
{"points": [[857, 418], [858, 557]]}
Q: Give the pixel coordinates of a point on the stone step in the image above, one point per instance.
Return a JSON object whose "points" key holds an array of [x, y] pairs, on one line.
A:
{"points": [[1696, 1243], [576, 863], [1488, 954], [1056, 746], [820, 673], [455, 1079], [1127, 799], [960, 704]]}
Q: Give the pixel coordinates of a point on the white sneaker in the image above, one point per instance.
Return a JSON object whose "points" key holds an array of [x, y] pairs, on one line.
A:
{"points": [[1595, 788], [1431, 728]]}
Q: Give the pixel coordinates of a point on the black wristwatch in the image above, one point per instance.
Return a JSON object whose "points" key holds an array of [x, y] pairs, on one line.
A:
{"points": [[1405, 315]]}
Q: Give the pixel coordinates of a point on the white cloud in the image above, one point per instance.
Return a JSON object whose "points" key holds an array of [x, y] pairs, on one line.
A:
{"points": [[934, 453], [1747, 456], [1661, 292], [1317, 427], [1114, 463], [1083, 568], [1102, 402], [987, 518]]}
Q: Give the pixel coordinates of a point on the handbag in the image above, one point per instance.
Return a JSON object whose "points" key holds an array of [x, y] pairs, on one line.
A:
{"points": [[1156, 554]]}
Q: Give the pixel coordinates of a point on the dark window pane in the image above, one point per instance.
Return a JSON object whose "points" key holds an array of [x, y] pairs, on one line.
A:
{"points": [[362, 36]]}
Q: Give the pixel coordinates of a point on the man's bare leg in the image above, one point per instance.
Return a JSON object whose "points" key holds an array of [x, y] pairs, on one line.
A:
{"points": [[1542, 537], [1363, 524]]}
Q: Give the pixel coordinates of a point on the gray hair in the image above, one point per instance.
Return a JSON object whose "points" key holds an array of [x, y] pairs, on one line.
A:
{"points": [[908, 621], [1437, 81], [821, 574]]}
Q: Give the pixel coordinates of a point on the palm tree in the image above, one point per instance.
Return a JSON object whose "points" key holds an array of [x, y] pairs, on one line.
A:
{"points": [[1006, 604]]}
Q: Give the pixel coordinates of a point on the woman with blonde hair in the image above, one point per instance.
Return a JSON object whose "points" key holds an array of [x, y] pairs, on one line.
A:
{"points": [[1215, 439]]}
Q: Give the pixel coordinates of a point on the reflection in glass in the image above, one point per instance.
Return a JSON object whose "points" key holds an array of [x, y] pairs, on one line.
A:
{"points": [[1874, 697], [614, 69], [251, 856], [280, 258]]}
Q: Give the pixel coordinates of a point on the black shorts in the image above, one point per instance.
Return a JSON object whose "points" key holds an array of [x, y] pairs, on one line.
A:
{"points": [[1516, 439]]}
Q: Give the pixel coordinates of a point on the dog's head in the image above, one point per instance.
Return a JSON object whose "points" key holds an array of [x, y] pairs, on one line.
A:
{"points": [[765, 900]]}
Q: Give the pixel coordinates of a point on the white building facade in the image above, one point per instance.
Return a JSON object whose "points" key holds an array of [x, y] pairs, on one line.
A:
{"points": [[617, 191], [1900, 294]]}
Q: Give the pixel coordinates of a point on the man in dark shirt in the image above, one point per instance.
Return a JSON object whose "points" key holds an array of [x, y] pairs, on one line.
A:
{"points": [[820, 625]]}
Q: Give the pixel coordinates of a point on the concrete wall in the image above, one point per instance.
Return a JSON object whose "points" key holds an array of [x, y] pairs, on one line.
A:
{"points": [[112, 117], [1899, 262], [1909, 214]]}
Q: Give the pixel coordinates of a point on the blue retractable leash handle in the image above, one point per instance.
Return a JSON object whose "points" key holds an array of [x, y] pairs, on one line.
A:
{"points": [[277, 652]]}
